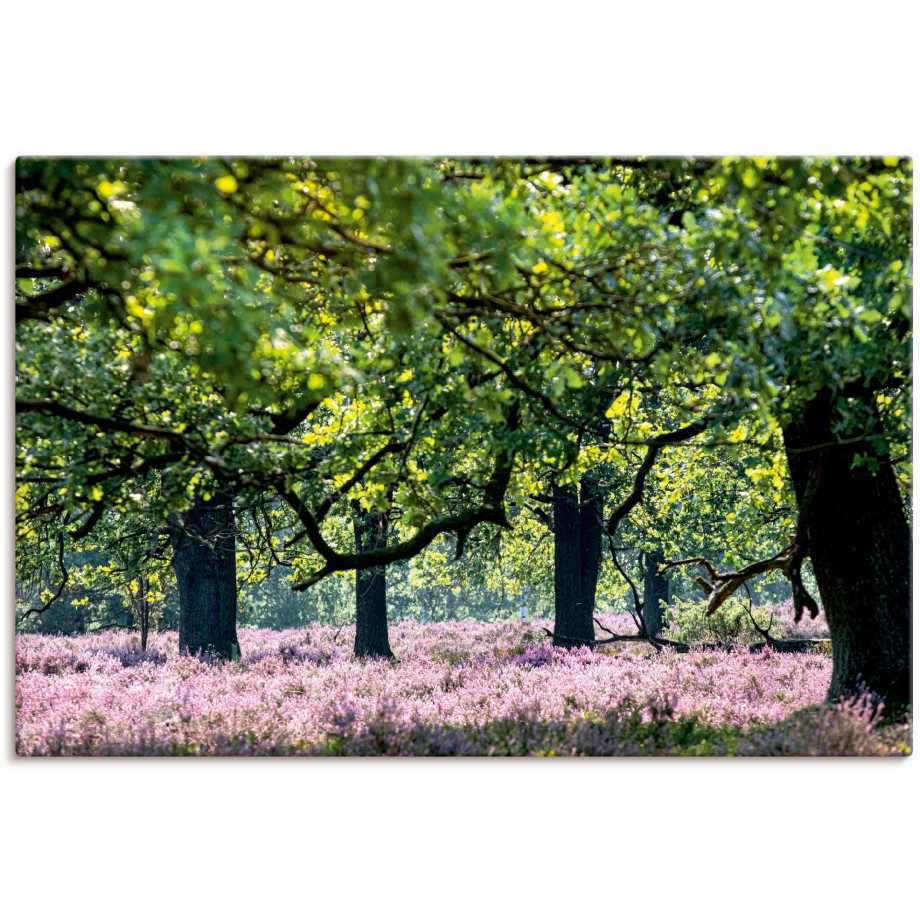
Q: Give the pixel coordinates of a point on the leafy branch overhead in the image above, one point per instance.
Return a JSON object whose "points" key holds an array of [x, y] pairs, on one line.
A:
{"points": [[445, 340]]}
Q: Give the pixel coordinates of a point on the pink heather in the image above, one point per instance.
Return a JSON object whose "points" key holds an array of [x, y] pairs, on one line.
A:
{"points": [[458, 688]]}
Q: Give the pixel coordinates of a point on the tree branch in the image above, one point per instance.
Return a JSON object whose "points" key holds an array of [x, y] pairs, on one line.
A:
{"points": [[41, 307], [325, 506], [491, 510], [725, 584], [655, 446], [64, 579], [106, 424], [514, 379]]}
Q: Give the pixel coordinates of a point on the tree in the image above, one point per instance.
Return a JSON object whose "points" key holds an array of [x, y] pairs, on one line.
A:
{"points": [[782, 286], [843, 284], [296, 388], [852, 522], [577, 532], [655, 593], [204, 560], [371, 639]]}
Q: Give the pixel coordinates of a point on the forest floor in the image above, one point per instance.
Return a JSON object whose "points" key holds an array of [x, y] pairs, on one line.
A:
{"points": [[456, 688]]}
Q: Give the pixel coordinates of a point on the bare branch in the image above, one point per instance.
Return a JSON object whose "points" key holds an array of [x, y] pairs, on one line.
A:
{"points": [[638, 605], [725, 584]]}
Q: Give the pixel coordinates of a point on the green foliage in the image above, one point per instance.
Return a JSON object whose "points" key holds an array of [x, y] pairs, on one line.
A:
{"points": [[730, 624], [316, 332]]}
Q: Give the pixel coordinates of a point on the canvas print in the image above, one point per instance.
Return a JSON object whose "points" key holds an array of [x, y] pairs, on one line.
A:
{"points": [[534, 456]]}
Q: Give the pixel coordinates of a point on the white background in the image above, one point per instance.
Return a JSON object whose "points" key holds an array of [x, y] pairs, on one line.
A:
{"points": [[650, 838]]}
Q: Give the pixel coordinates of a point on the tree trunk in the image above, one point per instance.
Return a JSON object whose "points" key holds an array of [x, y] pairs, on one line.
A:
{"points": [[371, 636], [577, 547], [522, 603], [860, 546], [656, 591], [591, 534], [143, 609], [204, 561]]}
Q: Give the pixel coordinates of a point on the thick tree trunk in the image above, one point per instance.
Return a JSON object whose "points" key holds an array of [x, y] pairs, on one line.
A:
{"points": [[860, 546], [656, 591], [577, 549], [371, 636], [204, 561], [590, 534]]}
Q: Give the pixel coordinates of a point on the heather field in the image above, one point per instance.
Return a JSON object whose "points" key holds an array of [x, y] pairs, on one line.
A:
{"points": [[457, 688]]}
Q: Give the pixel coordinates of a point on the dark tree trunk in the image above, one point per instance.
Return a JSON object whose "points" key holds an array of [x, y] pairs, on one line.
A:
{"points": [[143, 609], [204, 561], [569, 629], [577, 550], [371, 636], [656, 591], [590, 534], [860, 546], [225, 546]]}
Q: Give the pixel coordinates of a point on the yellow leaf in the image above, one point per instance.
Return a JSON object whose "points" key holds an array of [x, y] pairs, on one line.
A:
{"points": [[226, 184]]}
